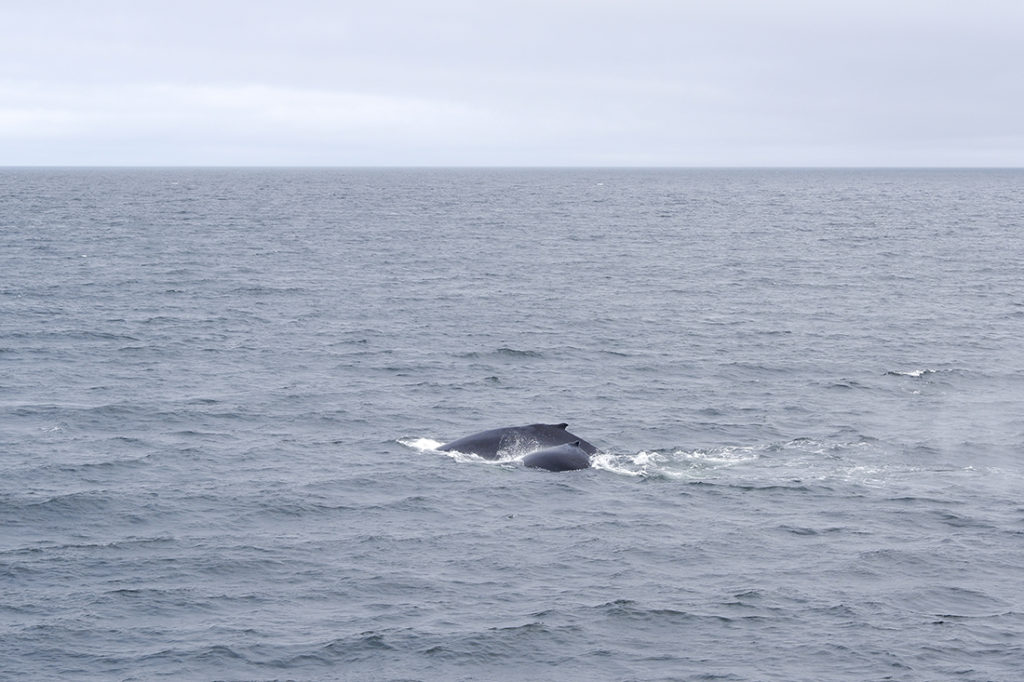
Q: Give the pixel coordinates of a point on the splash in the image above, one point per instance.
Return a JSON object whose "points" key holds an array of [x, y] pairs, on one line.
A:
{"points": [[430, 445], [680, 463], [421, 444], [862, 461]]}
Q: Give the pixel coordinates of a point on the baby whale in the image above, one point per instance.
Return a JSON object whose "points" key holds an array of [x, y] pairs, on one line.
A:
{"points": [[568, 457], [538, 440]]}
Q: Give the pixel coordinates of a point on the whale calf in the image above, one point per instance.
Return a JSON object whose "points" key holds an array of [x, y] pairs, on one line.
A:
{"points": [[567, 457], [515, 440]]}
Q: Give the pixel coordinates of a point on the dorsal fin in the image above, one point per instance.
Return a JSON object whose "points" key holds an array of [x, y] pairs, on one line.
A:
{"points": [[562, 426]]}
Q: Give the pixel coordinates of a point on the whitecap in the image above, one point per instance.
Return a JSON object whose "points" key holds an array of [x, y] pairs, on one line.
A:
{"points": [[910, 373]]}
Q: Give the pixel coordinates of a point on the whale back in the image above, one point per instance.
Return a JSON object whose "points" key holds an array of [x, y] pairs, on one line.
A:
{"points": [[511, 441], [567, 457]]}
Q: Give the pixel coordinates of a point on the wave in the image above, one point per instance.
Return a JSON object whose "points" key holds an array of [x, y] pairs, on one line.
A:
{"points": [[910, 373], [503, 351], [517, 353], [921, 372]]}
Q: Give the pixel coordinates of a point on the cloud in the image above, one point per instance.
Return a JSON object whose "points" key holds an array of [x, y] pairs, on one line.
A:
{"points": [[255, 110], [244, 117], [247, 108], [555, 82]]}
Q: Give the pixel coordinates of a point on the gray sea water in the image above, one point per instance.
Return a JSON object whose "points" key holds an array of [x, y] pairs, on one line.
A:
{"points": [[221, 390]]}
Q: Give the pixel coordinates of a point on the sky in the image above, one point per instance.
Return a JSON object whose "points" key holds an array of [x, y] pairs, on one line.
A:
{"points": [[512, 83]]}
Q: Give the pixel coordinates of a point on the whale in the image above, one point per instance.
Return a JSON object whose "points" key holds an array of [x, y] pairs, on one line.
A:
{"points": [[567, 457], [511, 441]]}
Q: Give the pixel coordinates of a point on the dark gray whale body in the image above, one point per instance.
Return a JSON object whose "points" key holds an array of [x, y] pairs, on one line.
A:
{"points": [[536, 439], [568, 457]]}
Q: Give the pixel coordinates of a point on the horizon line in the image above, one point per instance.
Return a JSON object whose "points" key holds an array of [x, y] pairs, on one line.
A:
{"points": [[495, 167]]}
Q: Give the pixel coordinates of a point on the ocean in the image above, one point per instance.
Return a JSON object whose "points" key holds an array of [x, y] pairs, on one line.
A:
{"points": [[222, 390]]}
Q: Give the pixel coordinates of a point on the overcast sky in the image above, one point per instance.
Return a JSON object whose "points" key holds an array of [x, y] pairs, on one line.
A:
{"points": [[496, 82]]}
